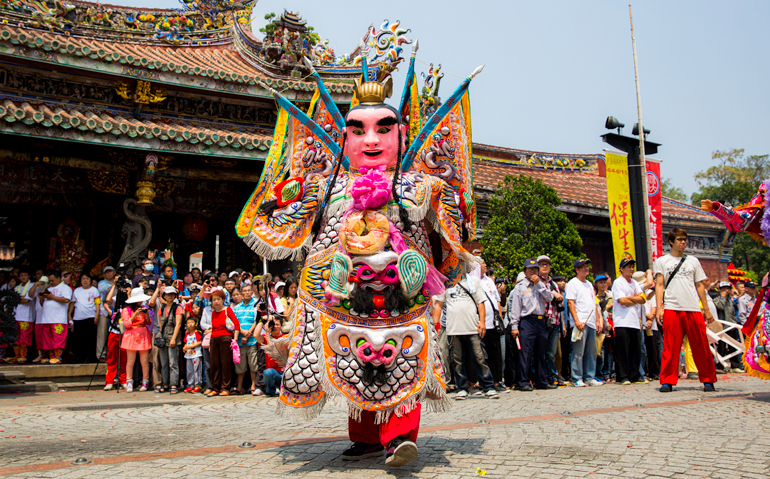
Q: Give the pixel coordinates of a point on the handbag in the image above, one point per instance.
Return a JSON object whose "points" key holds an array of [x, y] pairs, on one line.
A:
{"points": [[236, 351], [498, 320], [157, 337], [206, 343]]}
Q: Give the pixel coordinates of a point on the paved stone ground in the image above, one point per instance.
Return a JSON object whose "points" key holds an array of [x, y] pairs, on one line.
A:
{"points": [[610, 431]]}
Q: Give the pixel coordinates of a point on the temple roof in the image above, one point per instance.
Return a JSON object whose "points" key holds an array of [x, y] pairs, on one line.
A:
{"points": [[579, 186], [89, 124]]}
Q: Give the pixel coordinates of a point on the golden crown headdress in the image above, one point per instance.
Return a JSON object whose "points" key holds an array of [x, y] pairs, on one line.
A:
{"points": [[377, 90]]}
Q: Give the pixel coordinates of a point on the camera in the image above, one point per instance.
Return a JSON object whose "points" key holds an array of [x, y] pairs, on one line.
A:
{"points": [[271, 324], [121, 281]]}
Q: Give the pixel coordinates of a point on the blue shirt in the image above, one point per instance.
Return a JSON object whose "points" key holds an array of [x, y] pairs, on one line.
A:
{"points": [[104, 288], [247, 316]]}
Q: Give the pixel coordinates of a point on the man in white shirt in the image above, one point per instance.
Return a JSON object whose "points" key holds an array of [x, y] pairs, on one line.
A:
{"points": [[465, 313], [491, 341], [585, 320], [678, 289], [53, 325], [628, 300], [104, 317]]}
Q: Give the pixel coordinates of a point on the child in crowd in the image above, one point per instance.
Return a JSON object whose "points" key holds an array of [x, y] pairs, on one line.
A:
{"points": [[273, 371], [194, 355]]}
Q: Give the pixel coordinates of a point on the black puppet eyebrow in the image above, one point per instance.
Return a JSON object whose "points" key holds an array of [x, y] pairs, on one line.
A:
{"points": [[387, 121], [354, 123]]}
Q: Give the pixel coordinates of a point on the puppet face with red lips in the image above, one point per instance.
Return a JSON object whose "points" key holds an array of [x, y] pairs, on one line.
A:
{"points": [[372, 137]]}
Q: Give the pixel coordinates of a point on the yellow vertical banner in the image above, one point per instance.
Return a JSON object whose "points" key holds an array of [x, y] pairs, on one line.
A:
{"points": [[619, 201]]}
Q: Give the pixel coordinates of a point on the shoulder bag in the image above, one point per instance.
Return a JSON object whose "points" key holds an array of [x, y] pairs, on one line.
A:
{"points": [[498, 320], [673, 273], [157, 337]]}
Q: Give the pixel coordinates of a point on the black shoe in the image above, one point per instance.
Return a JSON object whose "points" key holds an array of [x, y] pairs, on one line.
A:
{"points": [[666, 388], [360, 450], [400, 451], [547, 386], [708, 387], [524, 388]]}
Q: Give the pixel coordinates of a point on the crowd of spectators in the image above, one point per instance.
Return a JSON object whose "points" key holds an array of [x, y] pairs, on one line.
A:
{"points": [[201, 331], [179, 332]]}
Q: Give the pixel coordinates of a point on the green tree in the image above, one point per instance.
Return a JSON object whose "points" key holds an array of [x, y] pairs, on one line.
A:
{"points": [[734, 181], [673, 192], [524, 223]]}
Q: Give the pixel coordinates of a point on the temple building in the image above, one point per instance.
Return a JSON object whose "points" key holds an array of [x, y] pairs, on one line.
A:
{"points": [[125, 129]]}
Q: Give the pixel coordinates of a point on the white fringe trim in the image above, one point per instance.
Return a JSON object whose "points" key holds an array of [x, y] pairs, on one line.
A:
{"points": [[432, 396], [272, 253]]}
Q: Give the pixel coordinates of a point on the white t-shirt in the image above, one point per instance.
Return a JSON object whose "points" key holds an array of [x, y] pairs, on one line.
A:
{"points": [[625, 316], [582, 292], [55, 312], [24, 312], [461, 315], [489, 287], [84, 303], [712, 306], [38, 308], [681, 294]]}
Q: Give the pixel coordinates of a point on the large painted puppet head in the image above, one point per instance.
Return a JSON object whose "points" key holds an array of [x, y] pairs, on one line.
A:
{"points": [[373, 133]]}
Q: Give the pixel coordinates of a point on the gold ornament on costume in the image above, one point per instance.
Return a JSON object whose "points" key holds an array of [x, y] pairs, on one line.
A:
{"points": [[378, 90]]}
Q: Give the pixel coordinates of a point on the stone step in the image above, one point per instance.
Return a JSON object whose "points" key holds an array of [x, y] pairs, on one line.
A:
{"points": [[29, 387], [12, 377], [49, 371]]}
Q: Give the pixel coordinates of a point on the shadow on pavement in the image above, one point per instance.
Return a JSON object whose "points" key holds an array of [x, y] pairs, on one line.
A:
{"points": [[432, 452]]}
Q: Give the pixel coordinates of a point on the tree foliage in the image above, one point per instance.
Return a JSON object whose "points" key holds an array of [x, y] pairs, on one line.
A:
{"points": [[734, 181], [524, 223], [674, 192]]}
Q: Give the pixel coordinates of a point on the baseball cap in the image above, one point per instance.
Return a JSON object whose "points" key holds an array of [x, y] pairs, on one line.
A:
{"points": [[750, 284], [543, 257], [170, 290], [287, 270], [582, 261], [626, 261], [233, 273], [600, 277], [108, 268], [725, 284], [530, 263]]}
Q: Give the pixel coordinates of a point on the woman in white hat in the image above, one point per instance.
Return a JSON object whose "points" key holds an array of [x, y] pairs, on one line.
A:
{"points": [[137, 338]]}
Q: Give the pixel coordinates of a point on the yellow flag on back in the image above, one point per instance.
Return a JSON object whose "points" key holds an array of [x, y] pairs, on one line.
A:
{"points": [[619, 201]]}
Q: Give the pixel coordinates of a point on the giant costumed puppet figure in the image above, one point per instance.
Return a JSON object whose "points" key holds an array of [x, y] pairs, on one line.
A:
{"points": [[382, 226], [751, 218]]}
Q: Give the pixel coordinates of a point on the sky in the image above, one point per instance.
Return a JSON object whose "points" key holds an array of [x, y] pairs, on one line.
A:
{"points": [[556, 69]]}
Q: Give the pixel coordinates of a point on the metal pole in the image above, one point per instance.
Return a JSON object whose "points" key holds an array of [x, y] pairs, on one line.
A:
{"points": [[642, 162]]}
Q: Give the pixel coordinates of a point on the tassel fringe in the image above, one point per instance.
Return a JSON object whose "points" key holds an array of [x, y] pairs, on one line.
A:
{"points": [[273, 253], [432, 396]]}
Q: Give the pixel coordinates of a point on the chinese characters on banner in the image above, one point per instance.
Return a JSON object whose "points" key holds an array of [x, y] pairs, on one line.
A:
{"points": [[619, 200], [654, 195]]}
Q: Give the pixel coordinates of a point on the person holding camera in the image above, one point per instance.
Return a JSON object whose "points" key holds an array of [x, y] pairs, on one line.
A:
{"points": [[267, 332], [116, 355], [167, 338], [225, 330], [137, 338]]}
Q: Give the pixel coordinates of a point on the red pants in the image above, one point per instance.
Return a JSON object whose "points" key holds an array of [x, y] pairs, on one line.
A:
{"points": [[25, 333], [50, 336], [367, 432], [113, 343], [677, 324]]}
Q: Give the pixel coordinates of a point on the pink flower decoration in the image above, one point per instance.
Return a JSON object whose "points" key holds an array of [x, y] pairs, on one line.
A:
{"points": [[371, 190]]}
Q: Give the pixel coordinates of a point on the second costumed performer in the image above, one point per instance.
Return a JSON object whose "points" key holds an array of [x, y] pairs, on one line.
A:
{"points": [[370, 214]]}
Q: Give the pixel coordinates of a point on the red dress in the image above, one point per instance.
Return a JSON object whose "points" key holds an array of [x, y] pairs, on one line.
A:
{"points": [[137, 337]]}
